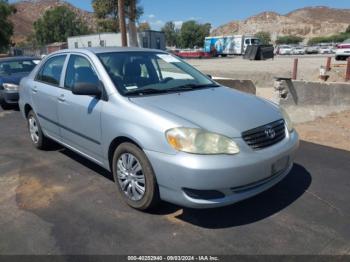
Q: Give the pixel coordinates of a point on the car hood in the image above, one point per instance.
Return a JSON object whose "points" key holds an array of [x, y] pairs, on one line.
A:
{"points": [[221, 110], [13, 78]]}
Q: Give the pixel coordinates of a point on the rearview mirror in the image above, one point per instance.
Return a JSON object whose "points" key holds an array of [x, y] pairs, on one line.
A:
{"points": [[86, 89]]}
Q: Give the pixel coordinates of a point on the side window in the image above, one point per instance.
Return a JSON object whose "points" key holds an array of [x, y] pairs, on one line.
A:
{"points": [[79, 70], [51, 71], [247, 42]]}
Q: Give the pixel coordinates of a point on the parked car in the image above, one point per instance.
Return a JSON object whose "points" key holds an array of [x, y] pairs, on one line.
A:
{"points": [[12, 69], [298, 50], [284, 50], [325, 50], [312, 50], [343, 50], [165, 130]]}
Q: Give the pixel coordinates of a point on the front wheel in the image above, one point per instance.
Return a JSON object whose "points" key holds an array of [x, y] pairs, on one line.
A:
{"points": [[134, 177], [36, 134], [4, 105]]}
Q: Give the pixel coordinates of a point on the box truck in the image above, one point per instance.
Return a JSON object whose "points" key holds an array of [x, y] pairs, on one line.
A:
{"points": [[229, 45]]}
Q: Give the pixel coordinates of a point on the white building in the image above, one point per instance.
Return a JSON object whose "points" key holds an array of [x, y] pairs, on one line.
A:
{"points": [[146, 39]]}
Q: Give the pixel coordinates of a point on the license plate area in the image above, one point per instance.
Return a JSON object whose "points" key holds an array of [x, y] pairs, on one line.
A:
{"points": [[280, 165]]}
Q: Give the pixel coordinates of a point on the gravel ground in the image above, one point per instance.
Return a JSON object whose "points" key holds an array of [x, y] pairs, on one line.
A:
{"points": [[263, 72], [332, 131], [56, 202]]}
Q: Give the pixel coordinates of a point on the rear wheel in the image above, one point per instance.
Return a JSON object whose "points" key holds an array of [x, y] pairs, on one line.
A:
{"points": [[134, 177], [36, 134]]}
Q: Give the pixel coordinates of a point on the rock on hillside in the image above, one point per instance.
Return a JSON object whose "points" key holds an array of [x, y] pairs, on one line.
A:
{"points": [[306, 22], [29, 11]]}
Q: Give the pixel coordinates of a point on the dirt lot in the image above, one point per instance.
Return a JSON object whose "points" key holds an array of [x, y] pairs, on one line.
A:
{"points": [[56, 202], [263, 72], [332, 131]]}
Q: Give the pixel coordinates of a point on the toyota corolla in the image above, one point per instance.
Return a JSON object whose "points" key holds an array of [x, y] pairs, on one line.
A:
{"points": [[165, 130]]}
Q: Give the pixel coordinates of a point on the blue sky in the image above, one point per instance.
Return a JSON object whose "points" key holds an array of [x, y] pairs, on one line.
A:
{"points": [[157, 12]]}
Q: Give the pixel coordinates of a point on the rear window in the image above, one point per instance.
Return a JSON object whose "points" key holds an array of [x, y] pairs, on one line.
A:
{"points": [[15, 67], [51, 71]]}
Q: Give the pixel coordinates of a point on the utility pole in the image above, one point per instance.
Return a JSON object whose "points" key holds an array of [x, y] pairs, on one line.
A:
{"points": [[122, 27]]}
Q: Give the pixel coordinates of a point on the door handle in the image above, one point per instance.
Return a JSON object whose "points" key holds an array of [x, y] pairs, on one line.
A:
{"points": [[61, 98], [35, 90]]}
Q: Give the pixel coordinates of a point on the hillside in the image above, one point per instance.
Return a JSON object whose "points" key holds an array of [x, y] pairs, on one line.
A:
{"points": [[306, 22], [29, 11]]}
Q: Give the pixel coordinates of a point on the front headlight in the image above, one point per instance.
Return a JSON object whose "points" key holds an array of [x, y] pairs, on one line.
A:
{"points": [[10, 87], [198, 141], [287, 119]]}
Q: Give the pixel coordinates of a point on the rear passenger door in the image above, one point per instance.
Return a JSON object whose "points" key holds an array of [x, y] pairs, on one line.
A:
{"points": [[80, 116], [45, 91]]}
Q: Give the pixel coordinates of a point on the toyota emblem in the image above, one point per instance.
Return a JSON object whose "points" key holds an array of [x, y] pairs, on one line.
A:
{"points": [[270, 133]]}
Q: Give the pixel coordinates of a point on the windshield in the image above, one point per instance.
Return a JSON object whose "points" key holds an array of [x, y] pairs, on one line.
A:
{"points": [[139, 73], [255, 41], [14, 67]]}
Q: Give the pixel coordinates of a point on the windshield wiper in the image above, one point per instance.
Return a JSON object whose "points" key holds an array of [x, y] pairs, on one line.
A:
{"points": [[149, 91], [146, 91], [191, 87]]}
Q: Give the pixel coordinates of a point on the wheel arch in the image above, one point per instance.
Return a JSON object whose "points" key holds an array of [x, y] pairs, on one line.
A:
{"points": [[117, 142], [27, 109]]}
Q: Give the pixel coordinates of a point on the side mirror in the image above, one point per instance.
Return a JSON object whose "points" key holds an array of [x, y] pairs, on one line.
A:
{"points": [[86, 89], [210, 76]]}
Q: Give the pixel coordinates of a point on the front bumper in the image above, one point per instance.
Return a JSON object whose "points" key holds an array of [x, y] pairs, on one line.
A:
{"points": [[9, 97], [235, 177]]}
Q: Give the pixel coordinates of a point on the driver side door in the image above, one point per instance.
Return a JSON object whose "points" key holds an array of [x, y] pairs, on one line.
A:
{"points": [[80, 115]]}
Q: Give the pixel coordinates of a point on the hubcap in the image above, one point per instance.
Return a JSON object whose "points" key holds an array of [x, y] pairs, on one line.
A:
{"points": [[33, 130], [130, 177]]}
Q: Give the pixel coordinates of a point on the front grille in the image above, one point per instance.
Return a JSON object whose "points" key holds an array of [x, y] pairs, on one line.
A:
{"points": [[265, 136]]}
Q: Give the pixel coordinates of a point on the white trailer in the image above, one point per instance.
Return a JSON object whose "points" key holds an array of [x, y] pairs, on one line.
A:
{"points": [[229, 45]]}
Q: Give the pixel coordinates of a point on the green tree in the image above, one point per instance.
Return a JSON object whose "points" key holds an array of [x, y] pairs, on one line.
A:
{"points": [[289, 39], [338, 38], [6, 27], [171, 34], [265, 37], [193, 34], [144, 26], [57, 24], [106, 12]]}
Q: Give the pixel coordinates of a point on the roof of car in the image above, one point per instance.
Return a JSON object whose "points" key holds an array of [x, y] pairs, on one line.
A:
{"points": [[100, 50], [17, 58]]}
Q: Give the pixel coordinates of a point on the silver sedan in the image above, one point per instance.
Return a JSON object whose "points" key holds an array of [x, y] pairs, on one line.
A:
{"points": [[165, 130]]}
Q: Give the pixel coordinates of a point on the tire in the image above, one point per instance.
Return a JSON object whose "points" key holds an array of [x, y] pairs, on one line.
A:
{"points": [[36, 134], [130, 182], [338, 58], [4, 105]]}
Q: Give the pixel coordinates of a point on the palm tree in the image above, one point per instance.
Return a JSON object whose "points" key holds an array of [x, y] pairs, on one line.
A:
{"points": [[121, 16], [132, 23]]}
